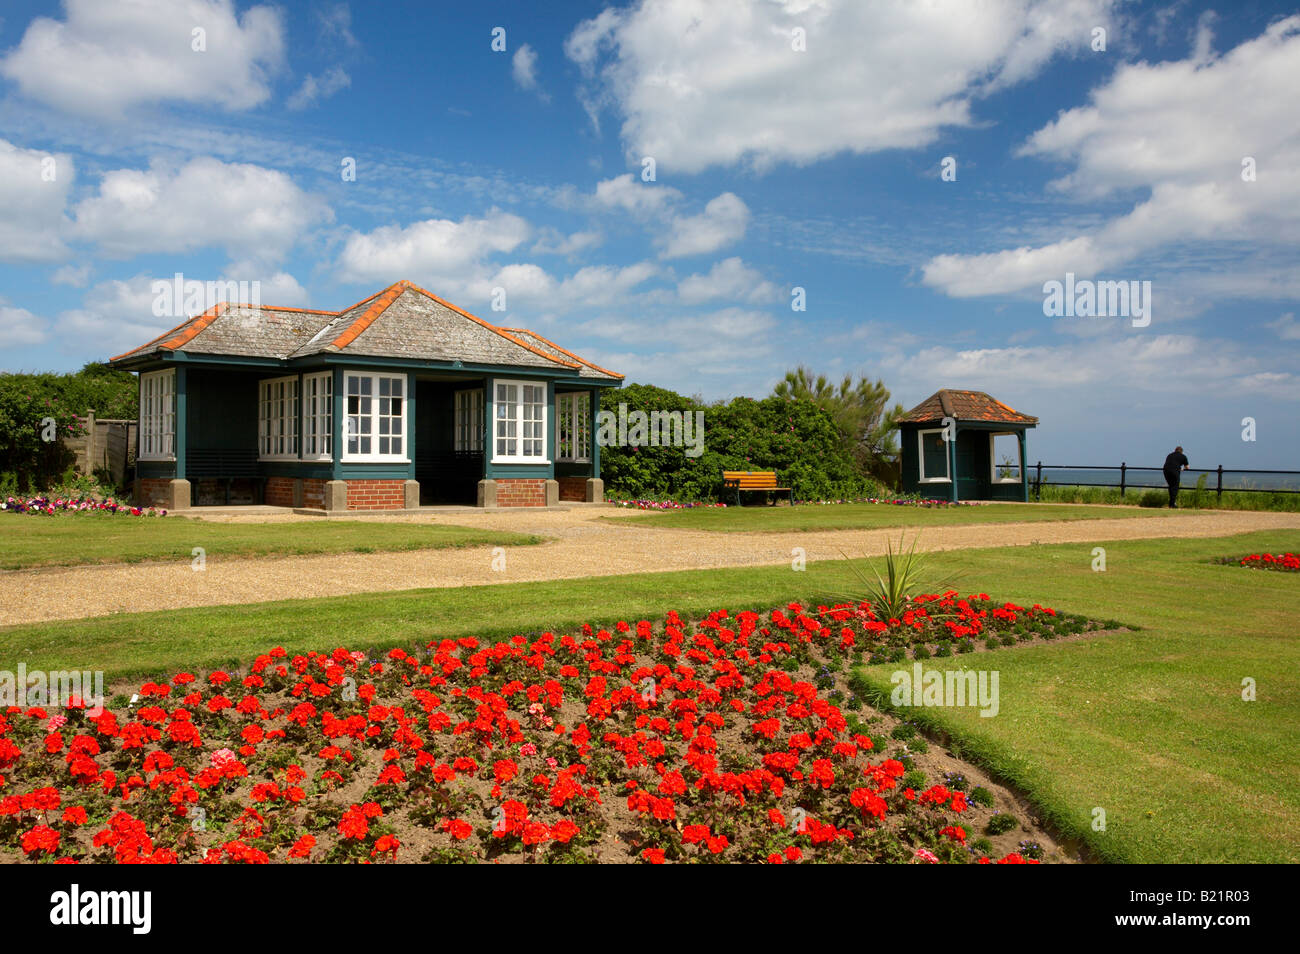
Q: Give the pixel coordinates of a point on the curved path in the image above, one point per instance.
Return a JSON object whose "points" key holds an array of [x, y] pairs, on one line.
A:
{"points": [[579, 545]]}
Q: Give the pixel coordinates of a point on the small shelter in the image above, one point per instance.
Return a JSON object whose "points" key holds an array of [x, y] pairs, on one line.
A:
{"points": [[956, 433], [400, 400]]}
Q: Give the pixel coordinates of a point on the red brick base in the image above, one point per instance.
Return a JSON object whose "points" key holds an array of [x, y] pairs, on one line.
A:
{"points": [[279, 491], [313, 493], [153, 491], [375, 494], [520, 492], [573, 488]]}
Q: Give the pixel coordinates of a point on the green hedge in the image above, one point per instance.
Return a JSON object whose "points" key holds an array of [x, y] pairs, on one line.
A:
{"points": [[28, 462], [795, 438]]}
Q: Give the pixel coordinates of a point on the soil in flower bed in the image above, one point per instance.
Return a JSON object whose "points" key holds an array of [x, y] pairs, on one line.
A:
{"points": [[1286, 562], [735, 739]]}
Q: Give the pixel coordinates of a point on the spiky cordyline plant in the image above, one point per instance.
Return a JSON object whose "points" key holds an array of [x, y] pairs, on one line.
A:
{"points": [[904, 570]]}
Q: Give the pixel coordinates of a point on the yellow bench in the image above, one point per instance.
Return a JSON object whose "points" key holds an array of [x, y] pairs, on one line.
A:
{"points": [[754, 481]]}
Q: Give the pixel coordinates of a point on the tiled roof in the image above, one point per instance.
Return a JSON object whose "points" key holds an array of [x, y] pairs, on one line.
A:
{"points": [[964, 406], [402, 321], [587, 369]]}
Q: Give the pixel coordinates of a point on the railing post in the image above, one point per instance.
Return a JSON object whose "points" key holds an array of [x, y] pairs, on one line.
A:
{"points": [[1123, 476], [1218, 492], [1038, 483]]}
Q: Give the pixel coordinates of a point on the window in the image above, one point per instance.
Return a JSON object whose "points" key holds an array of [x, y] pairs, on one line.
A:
{"points": [[573, 427], [1004, 455], [520, 410], [318, 416], [277, 417], [158, 415], [376, 416], [469, 420], [933, 457]]}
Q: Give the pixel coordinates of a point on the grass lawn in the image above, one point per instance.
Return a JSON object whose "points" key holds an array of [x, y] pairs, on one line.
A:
{"points": [[78, 538], [867, 516], [1148, 725]]}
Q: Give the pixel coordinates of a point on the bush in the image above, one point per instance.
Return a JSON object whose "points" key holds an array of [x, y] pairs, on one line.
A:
{"points": [[795, 438], [28, 402], [1153, 498]]}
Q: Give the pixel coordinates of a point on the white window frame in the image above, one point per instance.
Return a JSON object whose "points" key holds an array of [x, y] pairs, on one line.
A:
{"points": [[375, 418], [317, 402], [158, 415], [993, 470], [278, 408], [573, 426], [920, 458], [519, 421], [468, 420]]}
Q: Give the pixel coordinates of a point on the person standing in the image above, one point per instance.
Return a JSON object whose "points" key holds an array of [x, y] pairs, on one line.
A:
{"points": [[1175, 463]]}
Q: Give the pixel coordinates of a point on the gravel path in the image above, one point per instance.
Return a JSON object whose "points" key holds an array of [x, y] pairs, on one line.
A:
{"points": [[580, 545]]}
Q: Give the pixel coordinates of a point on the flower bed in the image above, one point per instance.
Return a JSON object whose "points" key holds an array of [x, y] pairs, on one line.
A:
{"points": [[664, 504], [1286, 562], [51, 505], [734, 739]]}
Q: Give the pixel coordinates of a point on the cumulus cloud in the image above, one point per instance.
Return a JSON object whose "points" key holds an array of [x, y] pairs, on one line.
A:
{"points": [[1211, 139], [628, 194], [106, 57], [701, 83], [19, 327], [722, 223], [433, 248], [730, 279], [250, 211], [33, 196], [118, 314]]}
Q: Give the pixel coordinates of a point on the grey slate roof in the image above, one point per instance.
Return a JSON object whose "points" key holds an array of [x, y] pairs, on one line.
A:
{"points": [[403, 321]]}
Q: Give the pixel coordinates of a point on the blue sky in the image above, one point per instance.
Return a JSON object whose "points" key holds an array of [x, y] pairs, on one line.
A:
{"points": [[775, 167]]}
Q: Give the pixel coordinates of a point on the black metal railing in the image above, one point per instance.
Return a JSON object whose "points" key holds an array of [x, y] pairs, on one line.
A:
{"points": [[1125, 470]]}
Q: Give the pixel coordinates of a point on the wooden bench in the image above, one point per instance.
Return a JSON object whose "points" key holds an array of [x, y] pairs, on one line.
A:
{"points": [[225, 464], [754, 481]]}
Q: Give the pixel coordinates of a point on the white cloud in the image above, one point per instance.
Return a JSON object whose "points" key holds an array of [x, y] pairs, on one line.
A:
{"points": [[729, 279], [106, 57], [32, 208], [630, 195], [1179, 130], [115, 316], [722, 222], [1085, 369], [552, 242], [314, 89], [19, 327], [250, 211], [701, 83], [523, 66], [1287, 328], [76, 276], [437, 249], [118, 314]]}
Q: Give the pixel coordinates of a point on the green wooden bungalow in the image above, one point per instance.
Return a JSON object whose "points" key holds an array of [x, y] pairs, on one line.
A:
{"points": [[967, 434], [398, 401]]}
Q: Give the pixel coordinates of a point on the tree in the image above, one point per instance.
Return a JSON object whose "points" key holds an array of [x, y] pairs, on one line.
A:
{"points": [[861, 413]]}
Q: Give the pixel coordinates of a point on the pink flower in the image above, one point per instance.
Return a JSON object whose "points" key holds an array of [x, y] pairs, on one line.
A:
{"points": [[924, 854]]}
